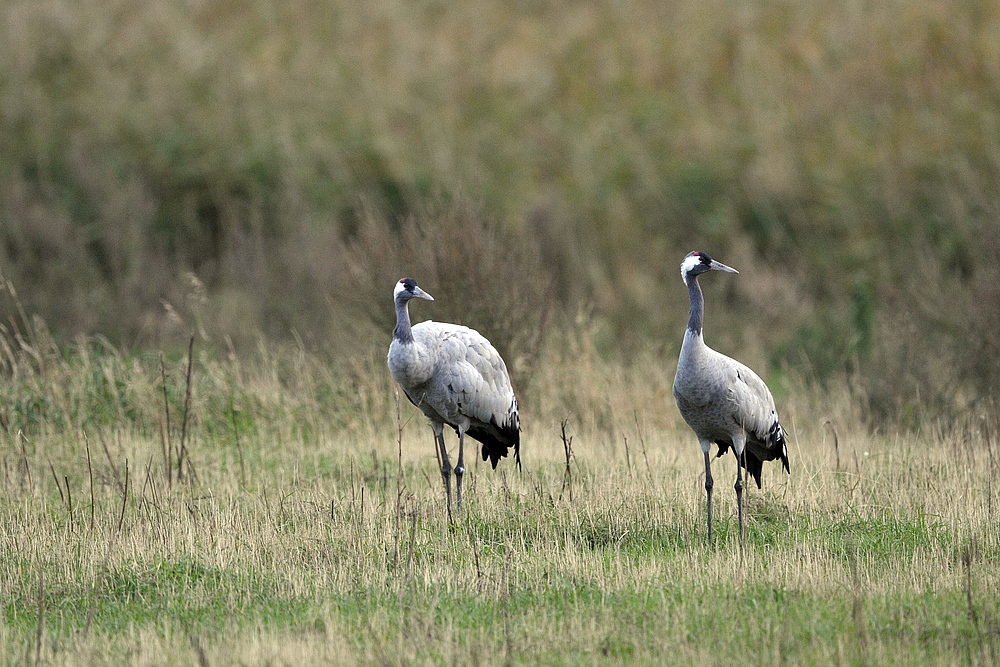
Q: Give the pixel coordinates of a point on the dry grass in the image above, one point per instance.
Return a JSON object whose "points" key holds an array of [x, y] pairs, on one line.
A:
{"points": [[296, 539]]}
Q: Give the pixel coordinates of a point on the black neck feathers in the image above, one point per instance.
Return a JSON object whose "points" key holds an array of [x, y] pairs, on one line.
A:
{"points": [[402, 332], [697, 305]]}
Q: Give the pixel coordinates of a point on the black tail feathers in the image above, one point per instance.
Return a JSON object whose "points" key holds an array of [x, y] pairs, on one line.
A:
{"points": [[497, 443]]}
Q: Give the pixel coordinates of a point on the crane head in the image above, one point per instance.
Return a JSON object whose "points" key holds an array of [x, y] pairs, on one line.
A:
{"points": [[407, 288], [697, 263]]}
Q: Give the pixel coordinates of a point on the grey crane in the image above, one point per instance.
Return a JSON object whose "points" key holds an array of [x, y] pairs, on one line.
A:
{"points": [[455, 377], [722, 400]]}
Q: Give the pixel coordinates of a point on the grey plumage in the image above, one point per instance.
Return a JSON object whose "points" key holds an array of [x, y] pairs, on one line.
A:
{"points": [[456, 378], [722, 400]]}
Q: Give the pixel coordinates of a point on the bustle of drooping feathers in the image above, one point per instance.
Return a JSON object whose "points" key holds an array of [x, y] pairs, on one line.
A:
{"points": [[497, 441], [754, 466]]}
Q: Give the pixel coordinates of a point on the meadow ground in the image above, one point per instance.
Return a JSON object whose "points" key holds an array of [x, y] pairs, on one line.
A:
{"points": [[299, 536], [249, 169]]}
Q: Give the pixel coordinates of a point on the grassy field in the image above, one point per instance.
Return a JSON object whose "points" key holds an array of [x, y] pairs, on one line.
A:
{"points": [[305, 524], [259, 173]]}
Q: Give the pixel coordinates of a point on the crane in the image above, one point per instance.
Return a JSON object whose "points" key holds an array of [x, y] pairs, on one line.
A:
{"points": [[456, 378], [722, 400]]}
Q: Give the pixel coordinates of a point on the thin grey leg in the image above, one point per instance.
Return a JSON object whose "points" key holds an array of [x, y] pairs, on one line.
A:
{"points": [[705, 446], [708, 491], [460, 468], [445, 468], [739, 496]]}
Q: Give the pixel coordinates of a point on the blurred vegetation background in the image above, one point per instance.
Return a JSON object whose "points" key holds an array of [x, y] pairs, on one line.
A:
{"points": [[254, 171]]}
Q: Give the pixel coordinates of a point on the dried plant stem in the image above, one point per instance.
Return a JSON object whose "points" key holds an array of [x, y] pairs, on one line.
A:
{"points": [[148, 482], [475, 553], [413, 537], [182, 448], [236, 435], [69, 500], [165, 429], [111, 463], [836, 442], [568, 450], [642, 443], [24, 456], [62, 497], [90, 471], [121, 517]]}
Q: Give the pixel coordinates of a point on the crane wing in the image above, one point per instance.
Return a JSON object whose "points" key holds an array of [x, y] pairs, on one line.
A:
{"points": [[752, 409], [751, 403], [471, 385], [477, 379]]}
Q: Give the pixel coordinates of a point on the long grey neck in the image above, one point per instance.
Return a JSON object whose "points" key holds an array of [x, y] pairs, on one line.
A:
{"points": [[697, 306], [402, 332]]}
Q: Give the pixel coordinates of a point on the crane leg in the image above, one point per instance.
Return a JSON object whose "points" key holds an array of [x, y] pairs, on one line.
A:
{"points": [[445, 468], [708, 486], [739, 494], [460, 468]]}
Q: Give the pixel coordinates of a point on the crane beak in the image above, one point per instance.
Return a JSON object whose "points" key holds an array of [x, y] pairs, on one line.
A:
{"points": [[719, 266], [422, 294]]}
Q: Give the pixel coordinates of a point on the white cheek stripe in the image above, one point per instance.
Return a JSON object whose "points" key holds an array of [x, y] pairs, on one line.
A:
{"points": [[688, 264]]}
